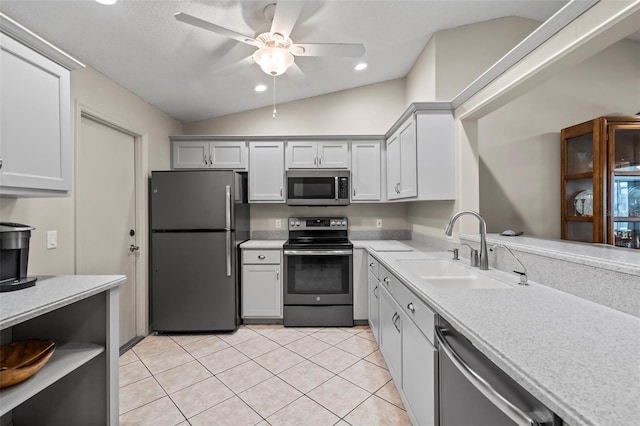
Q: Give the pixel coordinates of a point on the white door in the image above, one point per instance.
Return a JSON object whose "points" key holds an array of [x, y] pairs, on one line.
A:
{"points": [[302, 155], [266, 171], [105, 200], [333, 155], [365, 171]]}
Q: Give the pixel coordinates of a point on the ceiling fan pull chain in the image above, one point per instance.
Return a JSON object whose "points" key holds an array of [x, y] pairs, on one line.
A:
{"points": [[274, 98]]}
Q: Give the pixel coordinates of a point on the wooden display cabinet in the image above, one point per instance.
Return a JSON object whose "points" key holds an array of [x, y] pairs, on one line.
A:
{"points": [[601, 181]]}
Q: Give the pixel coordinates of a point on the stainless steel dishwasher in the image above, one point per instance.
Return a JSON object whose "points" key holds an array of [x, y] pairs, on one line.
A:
{"points": [[474, 391]]}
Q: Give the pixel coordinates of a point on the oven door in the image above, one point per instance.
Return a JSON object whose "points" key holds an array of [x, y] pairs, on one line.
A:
{"points": [[318, 277]]}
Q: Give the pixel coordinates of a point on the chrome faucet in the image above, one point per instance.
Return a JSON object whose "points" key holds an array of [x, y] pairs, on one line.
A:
{"points": [[484, 255]]}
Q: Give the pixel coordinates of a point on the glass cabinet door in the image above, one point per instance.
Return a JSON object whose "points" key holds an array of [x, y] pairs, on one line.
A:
{"points": [[624, 165]]}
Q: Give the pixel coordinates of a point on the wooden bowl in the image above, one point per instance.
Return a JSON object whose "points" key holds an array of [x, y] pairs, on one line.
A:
{"points": [[22, 359]]}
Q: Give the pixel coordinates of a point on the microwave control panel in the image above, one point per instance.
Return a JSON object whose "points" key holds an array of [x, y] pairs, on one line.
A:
{"points": [[343, 188]]}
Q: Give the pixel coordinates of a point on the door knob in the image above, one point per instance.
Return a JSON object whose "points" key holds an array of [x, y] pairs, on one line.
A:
{"points": [[133, 248]]}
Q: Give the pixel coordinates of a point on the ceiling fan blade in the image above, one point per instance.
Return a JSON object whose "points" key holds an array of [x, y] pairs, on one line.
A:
{"points": [[285, 17], [235, 66], [297, 75], [206, 25], [353, 50]]}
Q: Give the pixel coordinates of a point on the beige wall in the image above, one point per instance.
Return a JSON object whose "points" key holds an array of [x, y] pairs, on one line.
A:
{"points": [[97, 92], [450, 62], [367, 110], [519, 144]]}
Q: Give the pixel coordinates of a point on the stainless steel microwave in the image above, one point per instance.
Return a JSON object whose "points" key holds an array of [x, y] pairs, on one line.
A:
{"points": [[318, 187]]}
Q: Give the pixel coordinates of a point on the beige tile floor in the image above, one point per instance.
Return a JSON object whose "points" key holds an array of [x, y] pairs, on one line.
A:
{"points": [[259, 375]]}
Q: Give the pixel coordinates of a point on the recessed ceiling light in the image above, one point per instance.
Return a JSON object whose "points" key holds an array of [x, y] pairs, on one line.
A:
{"points": [[107, 2], [260, 88], [360, 66]]}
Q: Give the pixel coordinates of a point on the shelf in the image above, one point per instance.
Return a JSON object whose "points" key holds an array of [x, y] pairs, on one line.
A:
{"points": [[65, 359], [575, 176], [579, 218], [624, 173], [626, 219]]}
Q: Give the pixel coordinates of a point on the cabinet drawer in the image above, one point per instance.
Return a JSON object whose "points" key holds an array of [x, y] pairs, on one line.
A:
{"points": [[256, 257], [372, 264], [414, 308]]}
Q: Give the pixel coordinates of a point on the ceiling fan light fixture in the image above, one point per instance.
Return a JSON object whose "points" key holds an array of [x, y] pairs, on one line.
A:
{"points": [[273, 61]]}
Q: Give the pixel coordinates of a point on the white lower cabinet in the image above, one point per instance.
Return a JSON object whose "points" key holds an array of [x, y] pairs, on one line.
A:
{"points": [[261, 284], [391, 335], [418, 375], [374, 305], [406, 328]]}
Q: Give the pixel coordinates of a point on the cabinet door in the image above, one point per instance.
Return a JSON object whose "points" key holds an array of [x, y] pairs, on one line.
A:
{"points": [[360, 285], [391, 334], [302, 155], [190, 155], [261, 291], [365, 171], [333, 155], [228, 155], [35, 123], [374, 305], [266, 171], [418, 374], [408, 171], [393, 167]]}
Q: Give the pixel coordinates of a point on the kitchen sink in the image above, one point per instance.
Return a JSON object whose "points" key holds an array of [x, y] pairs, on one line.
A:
{"points": [[471, 282], [427, 268]]}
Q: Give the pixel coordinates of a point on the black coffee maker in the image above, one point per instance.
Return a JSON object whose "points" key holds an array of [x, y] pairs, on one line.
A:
{"points": [[14, 256]]}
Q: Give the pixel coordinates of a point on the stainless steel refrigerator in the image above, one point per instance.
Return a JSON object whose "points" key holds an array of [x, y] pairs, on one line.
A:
{"points": [[198, 219]]}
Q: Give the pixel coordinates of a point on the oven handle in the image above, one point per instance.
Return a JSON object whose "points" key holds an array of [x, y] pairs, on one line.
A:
{"points": [[317, 252], [514, 413]]}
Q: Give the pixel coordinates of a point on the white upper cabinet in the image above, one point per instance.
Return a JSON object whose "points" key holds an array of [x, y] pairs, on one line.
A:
{"points": [[420, 158], [365, 171], [35, 123], [320, 154], [266, 171], [209, 154]]}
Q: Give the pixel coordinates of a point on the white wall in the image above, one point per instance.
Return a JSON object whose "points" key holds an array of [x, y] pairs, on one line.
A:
{"points": [[519, 144], [367, 110], [103, 95], [450, 62]]}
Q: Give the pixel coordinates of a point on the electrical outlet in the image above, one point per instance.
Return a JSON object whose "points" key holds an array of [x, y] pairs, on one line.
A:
{"points": [[52, 239], [378, 223], [278, 223]]}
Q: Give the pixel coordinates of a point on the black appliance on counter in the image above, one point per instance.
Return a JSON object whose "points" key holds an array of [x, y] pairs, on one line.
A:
{"points": [[198, 219], [14, 256], [318, 273]]}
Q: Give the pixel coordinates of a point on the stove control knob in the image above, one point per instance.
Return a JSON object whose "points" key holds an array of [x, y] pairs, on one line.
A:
{"points": [[298, 223], [344, 223], [333, 223]]}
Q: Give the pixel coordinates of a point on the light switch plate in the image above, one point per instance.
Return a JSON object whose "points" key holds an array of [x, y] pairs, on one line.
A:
{"points": [[52, 239]]}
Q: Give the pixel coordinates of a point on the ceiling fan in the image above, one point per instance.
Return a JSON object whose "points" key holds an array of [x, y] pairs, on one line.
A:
{"points": [[276, 51]]}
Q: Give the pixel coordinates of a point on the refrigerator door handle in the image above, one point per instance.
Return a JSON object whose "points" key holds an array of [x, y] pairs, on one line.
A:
{"points": [[228, 207], [228, 251]]}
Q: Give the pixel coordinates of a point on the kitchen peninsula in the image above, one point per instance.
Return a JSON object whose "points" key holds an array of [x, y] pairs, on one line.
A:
{"points": [[79, 384]]}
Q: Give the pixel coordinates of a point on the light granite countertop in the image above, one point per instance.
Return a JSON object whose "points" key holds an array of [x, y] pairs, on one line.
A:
{"points": [[51, 293], [262, 244], [579, 358]]}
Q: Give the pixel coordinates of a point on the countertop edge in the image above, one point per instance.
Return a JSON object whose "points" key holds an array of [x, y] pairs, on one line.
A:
{"points": [[113, 281]]}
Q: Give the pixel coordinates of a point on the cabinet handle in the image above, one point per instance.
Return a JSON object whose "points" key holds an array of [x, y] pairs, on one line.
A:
{"points": [[320, 160], [398, 188], [277, 274], [375, 291], [261, 257], [315, 160], [386, 280], [411, 307], [371, 265], [281, 191], [210, 160], [354, 191], [396, 317], [0, 163], [205, 160]]}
